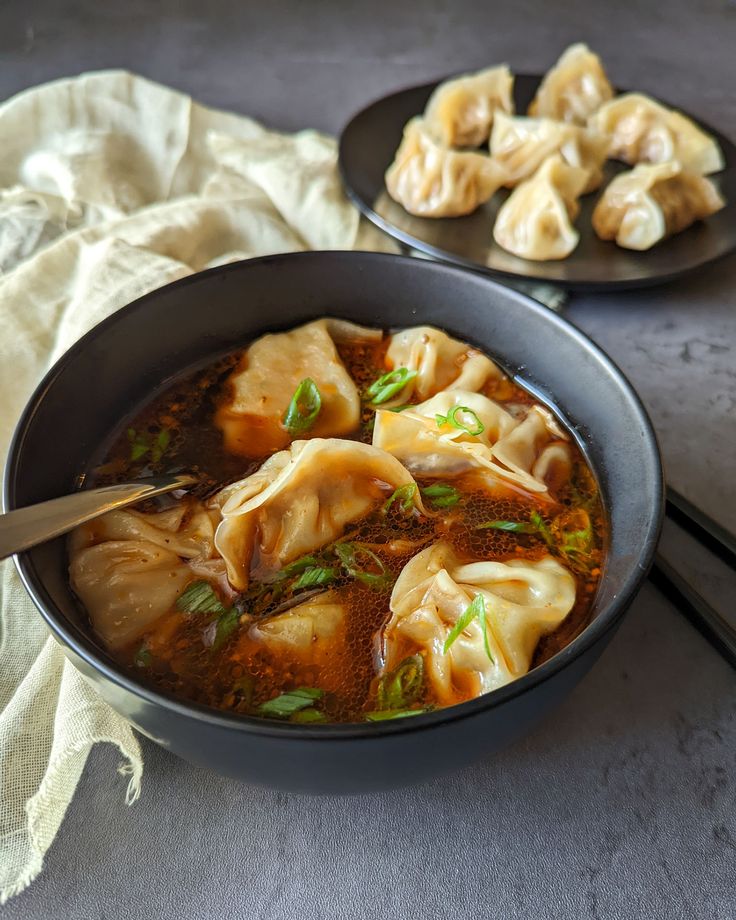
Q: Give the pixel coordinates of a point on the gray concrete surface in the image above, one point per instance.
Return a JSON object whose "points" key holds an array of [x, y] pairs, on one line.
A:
{"points": [[622, 803]]}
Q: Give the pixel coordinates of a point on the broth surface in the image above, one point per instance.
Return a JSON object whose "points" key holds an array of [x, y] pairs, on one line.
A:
{"points": [[181, 655]]}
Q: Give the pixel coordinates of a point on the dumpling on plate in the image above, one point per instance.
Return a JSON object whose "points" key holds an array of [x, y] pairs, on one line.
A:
{"points": [[535, 221], [439, 362], [642, 130], [456, 432], [460, 111], [260, 389], [129, 568], [300, 500], [430, 180], [515, 604], [574, 88], [521, 145], [641, 207]]}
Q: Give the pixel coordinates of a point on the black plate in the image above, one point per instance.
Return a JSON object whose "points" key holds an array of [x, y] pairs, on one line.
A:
{"points": [[367, 147]]}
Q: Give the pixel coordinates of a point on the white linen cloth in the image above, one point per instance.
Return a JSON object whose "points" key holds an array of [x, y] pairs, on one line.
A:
{"points": [[111, 186]]}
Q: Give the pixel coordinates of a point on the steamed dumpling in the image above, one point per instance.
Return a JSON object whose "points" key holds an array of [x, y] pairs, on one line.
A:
{"points": [[259, 390], [641, 207], [430, 180], [523, 602], [300, 500], [522, 144], [574, 88], [505, 449], [460, 112], [441, 363], [642, 130], [535, 221], [128, 568], [307, 632]]}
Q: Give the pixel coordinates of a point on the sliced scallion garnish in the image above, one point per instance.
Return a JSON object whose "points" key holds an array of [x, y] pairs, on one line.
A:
{"points": [[509, 526], [304, 408], [468, 422], [402, 686], [404, 496], [356, 559], [388, 385], [199, 597], [383, 715], [287, 704], [441, 495], [476, 609], [316, 575]]}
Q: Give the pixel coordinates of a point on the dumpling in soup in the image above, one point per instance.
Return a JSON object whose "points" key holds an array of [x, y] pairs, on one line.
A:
{"points": [[522, 144], [460, 112], [641, 207], [307, 632], [437, 362], [535, 221], [300, 500], [129, 568], [260, 389], [430, 180], [458, 431], [642, 130], [515, 604], [574, 88]]}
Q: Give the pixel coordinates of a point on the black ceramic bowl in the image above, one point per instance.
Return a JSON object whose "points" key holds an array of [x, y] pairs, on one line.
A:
{"points": [[107, 374]]}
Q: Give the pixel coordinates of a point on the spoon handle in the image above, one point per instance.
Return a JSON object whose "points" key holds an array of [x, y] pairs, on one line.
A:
{"points": [[27, 527]]}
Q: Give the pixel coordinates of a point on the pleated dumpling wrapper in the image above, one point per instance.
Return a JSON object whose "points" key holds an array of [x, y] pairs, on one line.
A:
{"points": [[535, 221], [430, 180], [521, 145], [574, 88], [641, 207], [129, 568], [300, 500], [506, 608], [642, 130], [259, 390], [431, 361], [457, 432], [460, 111]]}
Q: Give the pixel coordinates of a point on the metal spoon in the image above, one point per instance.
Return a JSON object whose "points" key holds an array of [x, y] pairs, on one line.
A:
{"points": [[36, 524]]}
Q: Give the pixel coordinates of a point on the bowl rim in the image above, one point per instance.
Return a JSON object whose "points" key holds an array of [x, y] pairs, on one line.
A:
{"points": [[607, 618]]}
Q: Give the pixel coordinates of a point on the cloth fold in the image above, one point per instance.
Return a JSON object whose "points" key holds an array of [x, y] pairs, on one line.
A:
{"points": [[111, 186]]}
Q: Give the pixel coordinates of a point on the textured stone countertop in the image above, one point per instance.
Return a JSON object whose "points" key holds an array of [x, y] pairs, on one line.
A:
{"points": [[622, 804]]}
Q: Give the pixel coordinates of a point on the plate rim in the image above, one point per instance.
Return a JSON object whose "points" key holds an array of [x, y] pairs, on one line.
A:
{"points": [[405, 238]]}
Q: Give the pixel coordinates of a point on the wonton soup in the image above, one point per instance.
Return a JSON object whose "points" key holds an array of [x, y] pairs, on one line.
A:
{"points": [[385, 523]]}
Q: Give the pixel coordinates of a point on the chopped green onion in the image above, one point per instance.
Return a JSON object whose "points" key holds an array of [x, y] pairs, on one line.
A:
{"points": [[403, 685], [510, 526], [536, 518], [404, 495], [298, 566], [308, 715], [472, 425], [160, 444], [304, 407], [399, 408], [141, 444], [314, 576], [199, 597], [286, 704], [388, 385], [441, 495], [226, 623], [383, 715], [143, 657], [476, 608], [350, 554]]}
